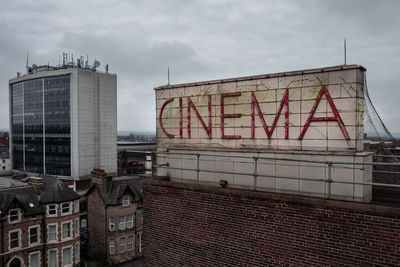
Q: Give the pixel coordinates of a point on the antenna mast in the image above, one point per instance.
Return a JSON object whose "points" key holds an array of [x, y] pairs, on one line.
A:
{"points": [[344, 51], [168, 75], [27, 60]]}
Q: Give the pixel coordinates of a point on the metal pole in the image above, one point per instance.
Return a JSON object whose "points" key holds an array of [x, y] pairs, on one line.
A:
{"points": [[329, 179], [255, 174], [153, 163], [198, 168]]}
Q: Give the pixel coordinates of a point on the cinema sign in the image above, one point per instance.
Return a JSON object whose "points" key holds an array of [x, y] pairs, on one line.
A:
{"points": [[312, 109]]}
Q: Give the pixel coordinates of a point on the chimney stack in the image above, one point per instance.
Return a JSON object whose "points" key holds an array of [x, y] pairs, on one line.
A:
{"points": [[99, 176], [37, 184]]}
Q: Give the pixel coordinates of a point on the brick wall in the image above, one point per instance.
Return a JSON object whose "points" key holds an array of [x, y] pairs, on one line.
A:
{"points": [[96, 222], [187, 225]]}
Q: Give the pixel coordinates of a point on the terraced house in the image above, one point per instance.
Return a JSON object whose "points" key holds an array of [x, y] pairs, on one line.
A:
{"points": [[39, 225], [115, 220]]}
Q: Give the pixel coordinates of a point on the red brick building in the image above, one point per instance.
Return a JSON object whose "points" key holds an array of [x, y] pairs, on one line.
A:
{"points": [[115, 220], [39, 225]]}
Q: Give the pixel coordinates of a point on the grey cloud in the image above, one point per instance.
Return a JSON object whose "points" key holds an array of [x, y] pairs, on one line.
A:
{"points": [[203, 40]]}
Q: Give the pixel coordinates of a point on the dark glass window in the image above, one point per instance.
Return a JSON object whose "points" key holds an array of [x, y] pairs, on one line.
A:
{"points": [[57, 124], [41, 108]]}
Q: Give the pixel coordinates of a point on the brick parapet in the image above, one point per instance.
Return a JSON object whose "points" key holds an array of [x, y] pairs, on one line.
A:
{"points": [[189, 225]]}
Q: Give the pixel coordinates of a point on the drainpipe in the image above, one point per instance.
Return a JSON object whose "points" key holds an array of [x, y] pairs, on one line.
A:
{"points": [[44, 238], [2, 240], [106, 235]]}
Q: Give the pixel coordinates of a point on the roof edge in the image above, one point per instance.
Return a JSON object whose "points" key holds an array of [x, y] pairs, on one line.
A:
{"points": [[263, 76]]}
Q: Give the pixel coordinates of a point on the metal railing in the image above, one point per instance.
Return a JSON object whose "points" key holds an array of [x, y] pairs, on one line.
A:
{"points": [[329, 165]]}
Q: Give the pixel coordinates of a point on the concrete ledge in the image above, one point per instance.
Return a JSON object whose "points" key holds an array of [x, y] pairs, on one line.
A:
{"points": [[263, 76], [316, 202]]}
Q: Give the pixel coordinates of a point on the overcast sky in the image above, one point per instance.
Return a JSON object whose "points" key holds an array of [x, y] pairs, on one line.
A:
{"points": [[202, 40]]}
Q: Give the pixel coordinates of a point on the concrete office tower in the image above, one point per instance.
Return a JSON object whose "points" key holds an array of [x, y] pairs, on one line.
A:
{"points": [[63, 121]]}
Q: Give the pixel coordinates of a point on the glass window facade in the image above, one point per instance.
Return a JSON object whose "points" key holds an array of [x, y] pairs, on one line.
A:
{"points": [[41, 126]]}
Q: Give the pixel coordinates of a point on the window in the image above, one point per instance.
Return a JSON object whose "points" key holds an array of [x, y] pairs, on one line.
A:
{"points": [[65, 208], [52, 210], [77, 252], [15, 237], [66, 230], [125, 200], [129, 221], [122, 245], [52, 232], [76, 206], [34, 259], [52, 261], [121, 222], [67, 256], [76, 227], [13, 216], [111, 224], [33, 234], [140, 242], [83, 223], [129, 243], [111, 246]]}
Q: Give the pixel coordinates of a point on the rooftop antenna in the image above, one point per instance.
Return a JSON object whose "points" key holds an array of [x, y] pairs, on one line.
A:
{"points": [[27, 60], [344, 51], [168, 76]]}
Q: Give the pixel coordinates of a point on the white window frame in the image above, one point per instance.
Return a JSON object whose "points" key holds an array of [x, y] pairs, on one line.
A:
{"points": [[77, 252], [62, 256], [111, 247], [19, 240], [125, 200], [129, 223], [30, 255], [130, 243], [48, 256], [9, 216], [38, 235], [140, 243], [76, 227], [111, 225], [122, 244], [48, 231], [122, 222], [71, 229], [48, 210], [83, 223], [76, 206], [69, 208]]}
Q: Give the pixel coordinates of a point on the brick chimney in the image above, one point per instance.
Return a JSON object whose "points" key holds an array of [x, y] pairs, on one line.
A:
{"points": [[37, 184], [100, 177]]}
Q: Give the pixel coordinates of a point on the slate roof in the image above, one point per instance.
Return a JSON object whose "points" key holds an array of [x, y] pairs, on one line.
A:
{"points": [[25, 196], [56, 191], [118, 189]]}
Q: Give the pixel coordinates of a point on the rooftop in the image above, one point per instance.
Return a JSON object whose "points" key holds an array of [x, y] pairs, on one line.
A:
{"points": [[264, 76]]}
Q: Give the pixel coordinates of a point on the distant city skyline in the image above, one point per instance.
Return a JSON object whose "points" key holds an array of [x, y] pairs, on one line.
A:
{"points": [[202, 40]]}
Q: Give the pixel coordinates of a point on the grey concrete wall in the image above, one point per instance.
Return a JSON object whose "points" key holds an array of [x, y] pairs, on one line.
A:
{"points": [[97, 134]]}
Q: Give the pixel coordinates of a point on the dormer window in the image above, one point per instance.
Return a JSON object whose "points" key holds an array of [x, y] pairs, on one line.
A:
{"points": [[125, 200], [13, 216]]}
